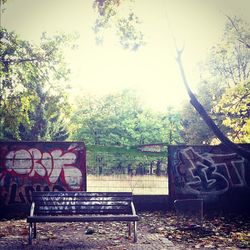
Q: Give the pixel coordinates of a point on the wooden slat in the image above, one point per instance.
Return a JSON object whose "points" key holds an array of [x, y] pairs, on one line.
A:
{"points": [[79, 194], [82, 198], [89, 207], [86, 212], [82, 218], [83, 203], [82, 207], [96, 210]]}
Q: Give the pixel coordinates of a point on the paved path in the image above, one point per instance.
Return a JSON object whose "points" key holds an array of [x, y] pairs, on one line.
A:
{"points": [[72, 236]]}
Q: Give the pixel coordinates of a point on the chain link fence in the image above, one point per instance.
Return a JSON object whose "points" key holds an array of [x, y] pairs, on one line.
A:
{"points": [[138, 169]]}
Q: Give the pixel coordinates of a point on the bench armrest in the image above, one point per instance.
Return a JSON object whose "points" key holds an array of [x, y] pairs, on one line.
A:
{"points": [[32, 208], [133, 208]]}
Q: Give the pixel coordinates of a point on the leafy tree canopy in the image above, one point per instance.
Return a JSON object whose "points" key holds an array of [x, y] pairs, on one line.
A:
{"points": [[235, 107], [224, 89], [119, 119], [119, 16], [231, 64], [33, 102]]}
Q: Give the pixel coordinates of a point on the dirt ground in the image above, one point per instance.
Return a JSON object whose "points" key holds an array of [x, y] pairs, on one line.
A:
{"points": [[156, 230]]}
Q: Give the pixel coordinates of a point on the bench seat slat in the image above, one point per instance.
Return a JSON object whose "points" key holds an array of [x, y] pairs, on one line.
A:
{"points": [[80, 206], [82, 218], [81, 194], [75, 213], [82, 203], [66, 200], [89, 211]]}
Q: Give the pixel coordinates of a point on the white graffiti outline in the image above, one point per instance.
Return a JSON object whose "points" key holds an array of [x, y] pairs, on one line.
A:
{"points": [[240, 161], [191, 170], [51, 165]]}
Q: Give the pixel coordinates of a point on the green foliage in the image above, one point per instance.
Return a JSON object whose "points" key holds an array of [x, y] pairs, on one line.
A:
{"points": [[120, 120], [172, 126], [195, 131], [113, 124], [233, 57], [118, 15], [33, 103], [225, 92], [235, 106], [229, 59], [106, 160]]}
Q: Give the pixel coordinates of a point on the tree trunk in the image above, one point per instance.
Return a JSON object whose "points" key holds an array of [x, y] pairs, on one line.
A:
{"points": [[205, 116]]}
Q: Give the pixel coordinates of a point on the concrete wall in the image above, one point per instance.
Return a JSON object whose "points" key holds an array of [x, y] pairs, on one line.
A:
{"points": [[212, 173], [151, 202], [40, 166]]}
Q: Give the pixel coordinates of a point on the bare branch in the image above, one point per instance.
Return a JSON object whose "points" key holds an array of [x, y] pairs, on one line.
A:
{"points": [[207, 119], [241, 39], [19, 60]]}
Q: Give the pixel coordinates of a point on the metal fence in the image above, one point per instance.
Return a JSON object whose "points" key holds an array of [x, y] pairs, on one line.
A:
{"points": [[138, 169]]}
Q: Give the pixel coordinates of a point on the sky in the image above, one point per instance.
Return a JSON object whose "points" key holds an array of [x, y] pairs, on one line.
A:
{"points": [[152, 70]]}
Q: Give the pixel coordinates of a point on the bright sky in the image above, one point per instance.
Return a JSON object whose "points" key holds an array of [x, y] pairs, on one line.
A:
{"points": [[152, 71]]}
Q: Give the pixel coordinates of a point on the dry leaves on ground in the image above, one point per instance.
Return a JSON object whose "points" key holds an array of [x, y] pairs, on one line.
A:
{"points": [[229, 231]]}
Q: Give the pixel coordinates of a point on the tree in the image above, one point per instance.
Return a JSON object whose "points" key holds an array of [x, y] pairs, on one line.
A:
{"points": [[174, 129], [242, 36], [120, 120], [227, 70], [109, 120], [194, 101], [234, 106], [195, 131], [31, 82], [230, 60], [119, 16]]}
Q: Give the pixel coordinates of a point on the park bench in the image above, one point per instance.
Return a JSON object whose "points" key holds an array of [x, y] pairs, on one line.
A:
{"points": [[82, 207]]}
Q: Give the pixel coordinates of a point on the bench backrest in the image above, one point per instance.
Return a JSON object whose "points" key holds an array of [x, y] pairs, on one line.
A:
{"points": [[82, 202]]}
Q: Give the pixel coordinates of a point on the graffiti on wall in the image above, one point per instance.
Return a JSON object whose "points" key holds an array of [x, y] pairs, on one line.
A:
{"points": [[204, 171], [27, 167]]}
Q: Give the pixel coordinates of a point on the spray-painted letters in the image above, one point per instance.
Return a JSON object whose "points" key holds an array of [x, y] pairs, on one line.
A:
{"points": [[33, 162], [205, 171], [25, 167]]}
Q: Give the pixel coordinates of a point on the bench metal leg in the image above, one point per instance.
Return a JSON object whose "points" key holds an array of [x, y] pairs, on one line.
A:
{"points": [[129, 229], [34, 230], [30, 234], [135, 231]]}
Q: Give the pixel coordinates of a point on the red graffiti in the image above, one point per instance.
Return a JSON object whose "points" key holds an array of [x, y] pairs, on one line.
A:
{"points": [[50, 165]]}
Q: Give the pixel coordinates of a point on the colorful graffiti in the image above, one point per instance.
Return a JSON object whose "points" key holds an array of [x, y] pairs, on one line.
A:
{"points": [[29, 166], [205, 171]]}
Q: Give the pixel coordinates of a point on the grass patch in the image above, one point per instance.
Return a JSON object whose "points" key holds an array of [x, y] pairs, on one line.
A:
{"points": [[145, 184]]}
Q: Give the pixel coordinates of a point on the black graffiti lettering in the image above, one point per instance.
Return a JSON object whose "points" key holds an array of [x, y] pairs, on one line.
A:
{"points": [[7, 181], [28, 193], [13, 194], [23, 195], [58, 188]]}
